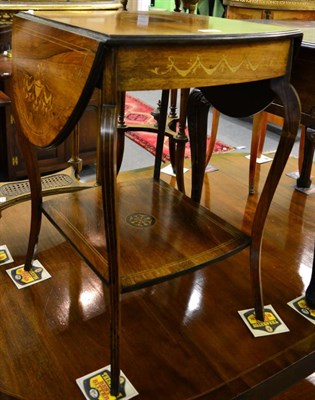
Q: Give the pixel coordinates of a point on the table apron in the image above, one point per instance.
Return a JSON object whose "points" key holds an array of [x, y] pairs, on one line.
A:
{"points": [[160, 67]]}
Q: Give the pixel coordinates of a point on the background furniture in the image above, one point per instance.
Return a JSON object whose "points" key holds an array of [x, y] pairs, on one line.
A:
{"points": [[9, 8], [266, 9], [302, 77], [304, 82]]}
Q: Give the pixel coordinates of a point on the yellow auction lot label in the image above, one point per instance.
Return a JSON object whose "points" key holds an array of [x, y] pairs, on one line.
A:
{"points": [[26, 277], [272, 323], [96, 386], [5, 256], [269, 324], [299, 304], [23, 278]]}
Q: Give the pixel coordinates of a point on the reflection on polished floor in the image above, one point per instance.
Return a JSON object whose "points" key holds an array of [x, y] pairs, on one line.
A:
{"points": [[182, 339]]}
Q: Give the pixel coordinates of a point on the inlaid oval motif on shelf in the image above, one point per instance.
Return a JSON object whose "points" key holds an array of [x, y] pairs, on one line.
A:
{"points": [[140, 220]]}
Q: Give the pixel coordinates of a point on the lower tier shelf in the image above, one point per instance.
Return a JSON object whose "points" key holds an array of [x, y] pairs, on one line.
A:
{"points": [[162, 233]]}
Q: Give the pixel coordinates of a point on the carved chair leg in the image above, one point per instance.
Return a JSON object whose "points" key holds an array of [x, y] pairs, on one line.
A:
{"points": [[177, 6], [181, 139], [197, 113], [258, 131], [189, 5], [304, 181], [214, 132], [262, 136], [301, 147], [172, 150]]}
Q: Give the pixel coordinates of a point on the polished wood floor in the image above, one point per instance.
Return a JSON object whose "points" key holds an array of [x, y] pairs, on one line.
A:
{"points": [[182, 339]]}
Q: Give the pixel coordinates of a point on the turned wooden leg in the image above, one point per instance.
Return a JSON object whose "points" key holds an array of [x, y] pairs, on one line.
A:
{"points": [[75, 161], [173, 106], [124, 3], [197, 113], [181, 140], [121, 112], [161, 133]]}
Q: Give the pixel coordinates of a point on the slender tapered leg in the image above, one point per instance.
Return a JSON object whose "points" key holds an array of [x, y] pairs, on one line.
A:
{"points": [[291, 104], [31, 163], [108, 181], [310, 291]]}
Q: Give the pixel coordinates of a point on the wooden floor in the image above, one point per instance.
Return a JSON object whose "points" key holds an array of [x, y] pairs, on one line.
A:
{"points": [[182, 339]]}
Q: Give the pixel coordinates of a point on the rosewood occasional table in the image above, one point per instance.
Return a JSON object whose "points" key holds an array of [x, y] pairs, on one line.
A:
{"points": [[142, 232]]}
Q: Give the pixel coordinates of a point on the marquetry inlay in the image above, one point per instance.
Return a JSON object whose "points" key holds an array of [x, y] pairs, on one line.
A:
{"points": [[222, 66], [37, 94], [140, 220], [217, 65]]}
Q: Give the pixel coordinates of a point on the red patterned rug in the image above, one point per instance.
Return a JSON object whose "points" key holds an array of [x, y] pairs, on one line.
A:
{"points": [[137, 112]]}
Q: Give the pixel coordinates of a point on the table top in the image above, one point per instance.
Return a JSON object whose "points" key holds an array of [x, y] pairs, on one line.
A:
{"points": [[157, 26], [183, 42]]}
